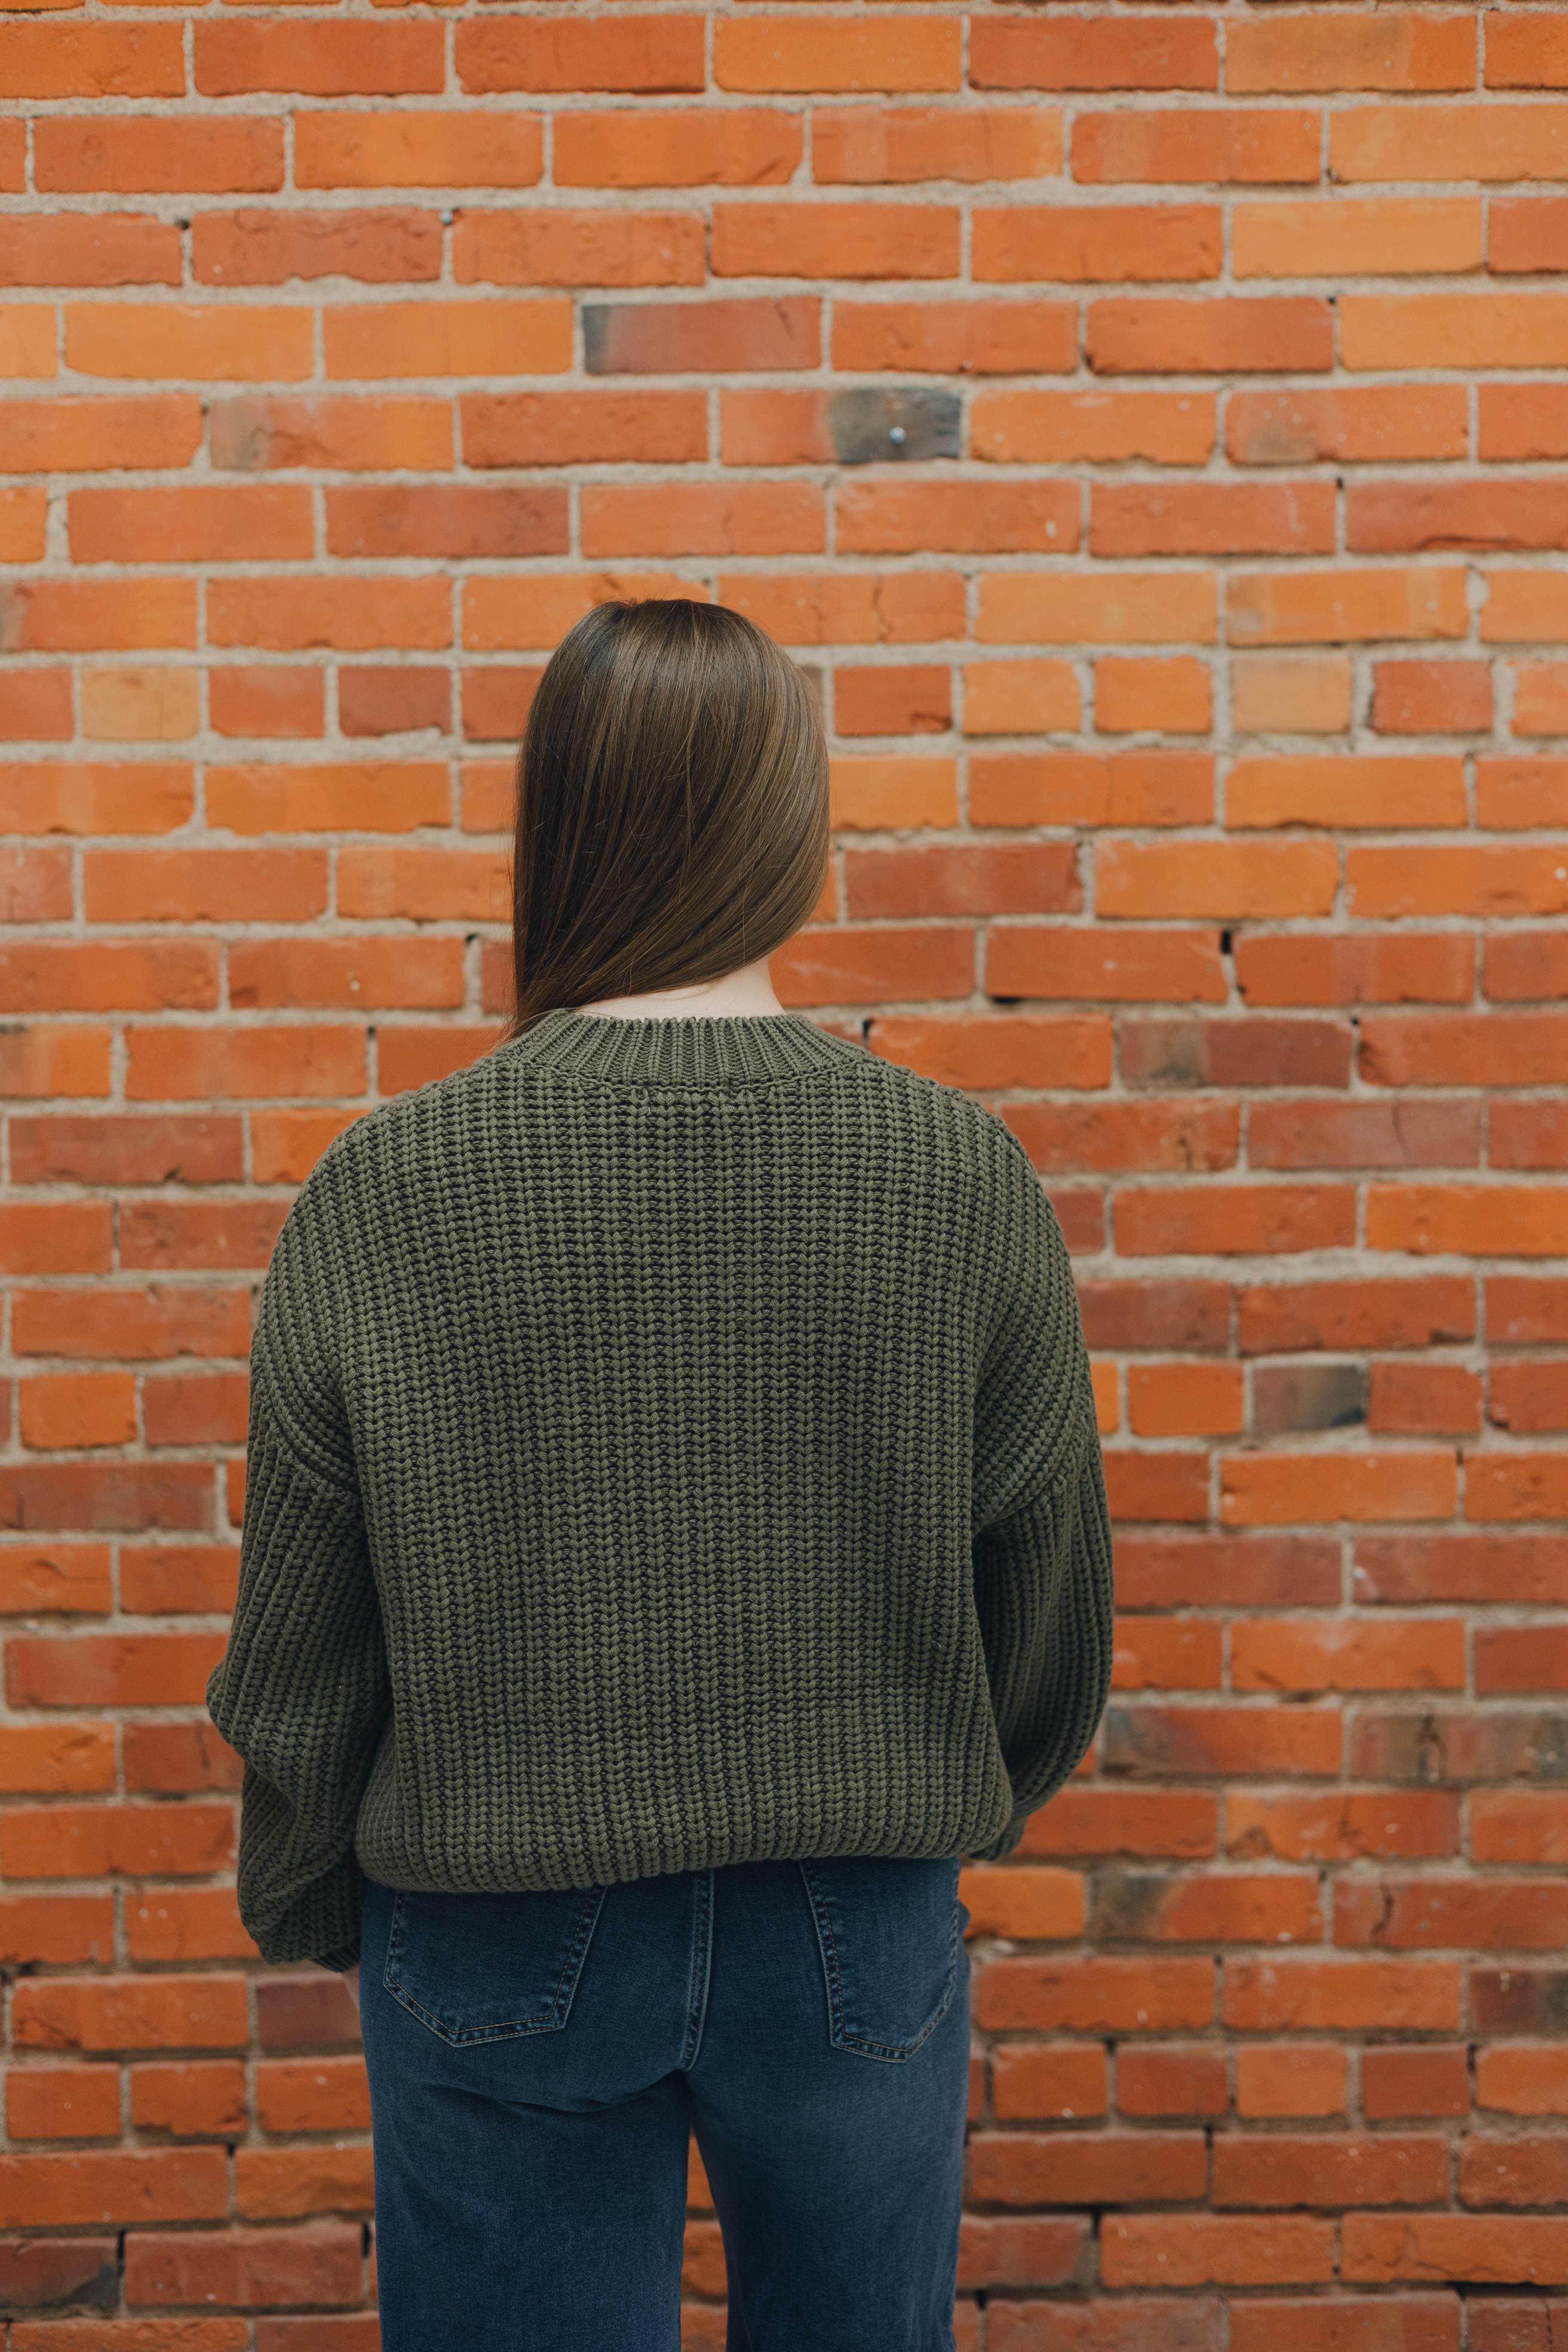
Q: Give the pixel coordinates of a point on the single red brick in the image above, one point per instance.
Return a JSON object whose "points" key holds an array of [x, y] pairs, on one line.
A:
{"points": [[92, 61], [262, 248], [133, 153], [1091, 53], [88, 250], [1247, 144], [320, 59], [1426, 2080], [892, 701], [633, 53], [1171, 2079], [1222, 335], [1290, 2080], [394, 701], [892, 145]]}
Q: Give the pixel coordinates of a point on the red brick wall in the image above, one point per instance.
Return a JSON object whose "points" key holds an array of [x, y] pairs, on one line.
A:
{"points": [[1194, 667]]}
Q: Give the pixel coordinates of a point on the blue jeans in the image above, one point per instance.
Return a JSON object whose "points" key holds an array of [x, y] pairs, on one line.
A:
{"points": [[537, 2063]]}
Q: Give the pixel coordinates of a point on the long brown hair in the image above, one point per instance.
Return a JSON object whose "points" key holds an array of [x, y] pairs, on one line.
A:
{"points": [[672, 814]]}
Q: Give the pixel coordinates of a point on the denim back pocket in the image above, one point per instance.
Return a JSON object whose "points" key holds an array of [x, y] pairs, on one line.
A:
{"points": [[889, 1928], [486, 1968]]}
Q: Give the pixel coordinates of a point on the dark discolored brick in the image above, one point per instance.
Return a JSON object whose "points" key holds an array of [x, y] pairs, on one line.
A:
{"points": [[867, 424], [1308, 1396]]}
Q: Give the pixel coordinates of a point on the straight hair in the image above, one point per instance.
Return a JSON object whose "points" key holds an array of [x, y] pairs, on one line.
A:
{"points": [[672, 807]]}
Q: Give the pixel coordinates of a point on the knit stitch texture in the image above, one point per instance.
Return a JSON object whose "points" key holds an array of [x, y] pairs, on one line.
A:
{"points": [[671, 1443]]}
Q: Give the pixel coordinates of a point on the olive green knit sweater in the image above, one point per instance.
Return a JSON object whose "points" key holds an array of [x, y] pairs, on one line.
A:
{"points": [[671, 1443]]}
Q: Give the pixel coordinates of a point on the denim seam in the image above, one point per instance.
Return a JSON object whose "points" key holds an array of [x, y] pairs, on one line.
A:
{"points": [[857, 2043], [559, 2008], [701, 1943]]}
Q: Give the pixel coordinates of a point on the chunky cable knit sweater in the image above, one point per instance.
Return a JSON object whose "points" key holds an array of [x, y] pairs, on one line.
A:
{"points": [[671, 1443]]}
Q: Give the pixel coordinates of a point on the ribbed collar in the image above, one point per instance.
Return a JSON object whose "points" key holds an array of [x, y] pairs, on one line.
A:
{"points": [[699, 1049]]}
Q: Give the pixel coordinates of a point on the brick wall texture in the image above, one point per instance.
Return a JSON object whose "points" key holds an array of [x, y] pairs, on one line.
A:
{"points": [[1148, 423]]}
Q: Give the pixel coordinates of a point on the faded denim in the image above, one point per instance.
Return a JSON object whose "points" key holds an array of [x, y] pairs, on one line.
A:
{"points": [[537, 2062]]}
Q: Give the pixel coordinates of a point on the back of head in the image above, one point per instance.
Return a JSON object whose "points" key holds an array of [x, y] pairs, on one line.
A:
{"points": [[672, 813]]}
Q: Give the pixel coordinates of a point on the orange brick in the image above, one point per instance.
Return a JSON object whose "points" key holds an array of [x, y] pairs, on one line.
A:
{"points": [[892, 699], [1133, 695], [1021, 1900], [641, 53], [1339, 237], [868, 144], [1468, 880], [1223, 878], [36, 707], [872, 793], [1091, 53], [128, 154], [553, 246], [1431, 698], [399, 148], [1239, 144], [1211, 518], [322, 60], [358, 615], [1290, 2079], [748, 146], [782, 53], [260, 434], [1345, 607], [956, 338], [1348, 790], [1454, 331], [68, 435], [1148, 608], [1090, 788], [1339, 49], [1086, 242], [193, 524], [155, 705], [1215, 2250], [1540, 707], [710, 518], [1288, 694], [92, 61], [986, 517], [24, 522], [1020, 697], [88, 250], [1304, 427], [1172, 428], [267, 699], [97, 615], [448, 338], [1217, 336], [734, 335], [1524, 607], [1287, 1654], [1448, 142], [26, 339], [1187, 1399], [1511, 1220], [834, 240], [1525, 233], [566, 428], [1278, 1489], [848, 608], [261, 246], [265, 344], [63, 2102], [1522, 420]]}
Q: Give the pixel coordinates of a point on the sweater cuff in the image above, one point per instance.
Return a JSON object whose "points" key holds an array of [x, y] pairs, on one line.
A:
{"points": [[341, 1957]]}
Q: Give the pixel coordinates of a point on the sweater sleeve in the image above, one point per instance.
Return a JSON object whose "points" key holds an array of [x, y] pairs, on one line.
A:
{"points": [[301, 1692], [1042, 1545]]}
